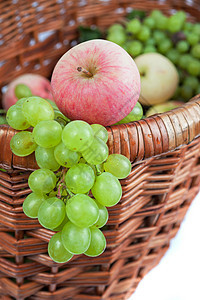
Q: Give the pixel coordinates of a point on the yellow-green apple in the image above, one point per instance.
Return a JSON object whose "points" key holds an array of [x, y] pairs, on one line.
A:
{"points": [[96, 81], [159, 78], [39, 86], [163, 107]]}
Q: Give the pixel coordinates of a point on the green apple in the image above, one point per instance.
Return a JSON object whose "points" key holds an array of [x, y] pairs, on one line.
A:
{"points": [[164, 107], [159, 78]]}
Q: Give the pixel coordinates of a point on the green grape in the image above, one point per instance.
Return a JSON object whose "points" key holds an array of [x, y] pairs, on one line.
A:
{"points": [[191, 81], [149, 49], [133, 26], [197, 91], [117, 37], [22, 143], [192, 38], [42, 181], [60, 227], [182, 46], [193, 67], [66, 157], [125, 47], [135, 115], [55, 107], [156, 14], [51, 213], [196, 29], [181, 75], [47, 133], [20, 102], [100, 131], [186, 92], [185, 34], [45, 158], [184, 60], [159, 36], [32, 204], [36, 109], [196, 51], [77, 135], [16, 119], [82, 210], [80, 178], [144, 33], [150, 42], [60, 118], [96, 153], [115, 28], [134, 48], [57, 251], [118, 165], [188, 26], [173, 55], [22, 90], [75, 239], [174, 24], [162, 22], [181, 15], [150, 22], [165, 46], [107, 189], [175, 96], [103, 216], [97, 244]]}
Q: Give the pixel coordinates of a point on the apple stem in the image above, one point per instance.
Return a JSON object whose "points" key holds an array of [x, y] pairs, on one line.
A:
{"points": [[84, 71]]}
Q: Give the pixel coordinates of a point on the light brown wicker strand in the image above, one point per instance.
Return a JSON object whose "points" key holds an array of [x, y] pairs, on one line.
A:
{"points": [[166, 198]]}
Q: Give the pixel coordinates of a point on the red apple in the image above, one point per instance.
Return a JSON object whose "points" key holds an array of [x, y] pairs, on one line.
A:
{"points": [[39, 86], [96, 81]]}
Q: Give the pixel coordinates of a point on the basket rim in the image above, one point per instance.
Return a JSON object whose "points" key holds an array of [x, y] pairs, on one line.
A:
{"points": [[143, 139]]}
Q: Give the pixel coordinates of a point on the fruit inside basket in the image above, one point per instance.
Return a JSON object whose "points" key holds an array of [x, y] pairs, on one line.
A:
{"points": [[47, 172]]}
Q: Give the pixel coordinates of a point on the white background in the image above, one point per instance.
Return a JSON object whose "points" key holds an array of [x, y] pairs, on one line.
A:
{"points": [[177, 276]]}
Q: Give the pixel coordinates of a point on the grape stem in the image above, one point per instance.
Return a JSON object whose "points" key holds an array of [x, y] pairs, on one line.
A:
{"points": [[98, 171], [69, 192], [61, 120], [59, 194], [62, 186], [61, 182]]}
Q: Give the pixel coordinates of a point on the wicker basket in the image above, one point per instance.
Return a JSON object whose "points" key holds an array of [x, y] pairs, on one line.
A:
{"points": [[164, 151]]}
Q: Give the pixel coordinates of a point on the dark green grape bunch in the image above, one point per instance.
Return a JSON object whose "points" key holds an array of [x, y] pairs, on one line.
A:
{"points": [[76, 181], [173, 37]]}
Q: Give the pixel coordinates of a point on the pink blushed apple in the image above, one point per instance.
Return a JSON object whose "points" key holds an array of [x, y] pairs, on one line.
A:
{"points": [[96, 81], [39, 86]]}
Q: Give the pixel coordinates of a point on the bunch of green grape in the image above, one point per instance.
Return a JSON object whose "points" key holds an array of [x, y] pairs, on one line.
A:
{"points": [[74, 165], [171, 36]]}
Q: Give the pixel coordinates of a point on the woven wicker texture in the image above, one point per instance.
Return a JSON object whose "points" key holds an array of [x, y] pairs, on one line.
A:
{"points": [[163, 149]]}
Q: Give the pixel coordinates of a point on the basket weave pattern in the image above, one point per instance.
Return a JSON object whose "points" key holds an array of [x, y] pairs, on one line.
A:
{"points": [[163, 149]]}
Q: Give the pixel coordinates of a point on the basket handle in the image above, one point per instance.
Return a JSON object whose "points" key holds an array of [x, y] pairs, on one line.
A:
{"points": [[138, 140]]}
